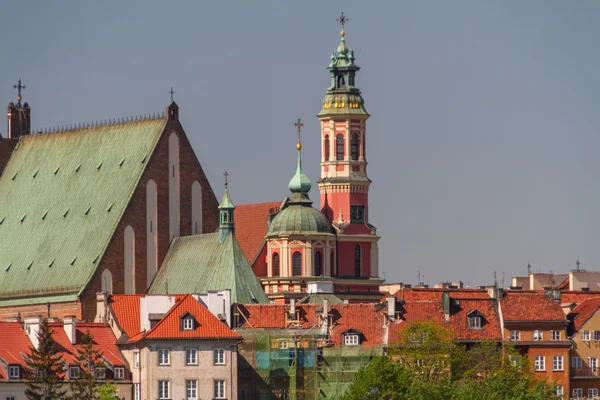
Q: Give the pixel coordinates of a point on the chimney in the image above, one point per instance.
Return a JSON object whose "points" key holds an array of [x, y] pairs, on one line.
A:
{"points": [[19, 120], [446, 305], [293, 308], [70, 329], [32, 327], [391, 307], [325, 315], [102, 312], [556, 295]]}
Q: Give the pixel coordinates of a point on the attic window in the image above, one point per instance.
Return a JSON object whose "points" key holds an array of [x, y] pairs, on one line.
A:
{"points": [[474, 320], [351, 337], [14, 372], [73, 372], [187, 322]]}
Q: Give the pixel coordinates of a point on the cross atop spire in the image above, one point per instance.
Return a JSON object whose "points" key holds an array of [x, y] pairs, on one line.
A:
{"points": [[19, 87], [171, 92], [342, 19], [299, 125]]}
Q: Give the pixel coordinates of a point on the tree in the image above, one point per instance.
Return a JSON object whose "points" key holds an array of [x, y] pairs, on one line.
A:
{"points": [[108, 391], [44, 369], [89, 360]]}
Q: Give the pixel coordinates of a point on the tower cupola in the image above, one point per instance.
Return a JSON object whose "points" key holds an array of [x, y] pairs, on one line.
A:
{"points": [[226, 213]]}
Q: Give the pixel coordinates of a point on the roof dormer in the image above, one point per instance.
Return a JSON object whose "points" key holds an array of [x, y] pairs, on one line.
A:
{"points": [[188, 322]]}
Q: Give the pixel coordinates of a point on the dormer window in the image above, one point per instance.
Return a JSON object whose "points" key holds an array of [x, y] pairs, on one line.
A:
{"points": [[188, 323], [100, 373], [475, 320], [74, 372], [14, 372], [352, 337]]}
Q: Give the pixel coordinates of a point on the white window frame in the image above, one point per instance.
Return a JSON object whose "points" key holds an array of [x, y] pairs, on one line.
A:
{"points": [[191, 356], [592, 393], [164, 389], [559, 391], [475, 322], [219, 391], [73, 368], [596, 336], [119, 373], [556, 335], [577, 393], [100, 373], [538, 335], [164, 357], [219, 356], [585, 337], [188, 324], [515, 336], [136, 391], [351, 340], [515, 360], [191, 389], [577, 363], [284, 344], [593, 363], [14, 372], [558, 363], [540, 363]]}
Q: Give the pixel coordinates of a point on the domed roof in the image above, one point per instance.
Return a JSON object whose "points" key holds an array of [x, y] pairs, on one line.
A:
{"points": [[299, 218]]}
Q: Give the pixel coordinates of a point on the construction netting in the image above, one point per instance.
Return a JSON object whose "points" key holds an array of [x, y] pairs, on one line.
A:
{"points": [[291, 365]]}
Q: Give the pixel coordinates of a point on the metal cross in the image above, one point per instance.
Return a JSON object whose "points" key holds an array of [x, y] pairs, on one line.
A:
{"points": [[226, 175], [342, 19], [299, 125], [19, 87], [171, 92]]}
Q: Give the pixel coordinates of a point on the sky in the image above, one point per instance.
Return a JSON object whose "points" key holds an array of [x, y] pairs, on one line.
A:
{"points": [[483, 136]]}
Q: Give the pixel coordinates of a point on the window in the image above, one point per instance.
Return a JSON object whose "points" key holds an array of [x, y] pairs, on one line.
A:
{"points": [[219, 356], [538, 335], [244, 394], [74, 372], [556, 335], [275, 264], [136, 359], [219, 385], [163, 389], [191, 389], [318, 270], [354, 146], [351, 340], [119, 373], [593, 363], [339, 147], [540, 363], [557, 363], [357, 214], [327, 149], [592, 393], [11, 398], [576, 363], [515, 336], [296, 264], [163, 357], [284, 344], [585, 336], [357, 262], [191, 357], [100, 372], [14, 372], [559, 391], [515, 360], [577, 393], [136, 391], [188, 323], [474, 322], [596, 336]]}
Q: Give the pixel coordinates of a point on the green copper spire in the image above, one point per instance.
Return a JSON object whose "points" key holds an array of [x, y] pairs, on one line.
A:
{"points": [[299, 184], [226, 222]]}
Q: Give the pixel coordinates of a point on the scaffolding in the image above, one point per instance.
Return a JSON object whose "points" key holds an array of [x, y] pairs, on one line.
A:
{"points": [[293, 364]]}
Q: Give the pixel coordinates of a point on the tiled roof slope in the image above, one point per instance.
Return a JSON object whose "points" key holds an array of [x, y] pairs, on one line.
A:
{"points": [[528, 306], [207, 325], [126, 308], [104, 340], [198, 263], [13, 345], [577, 296], [583, 312], [431, 294], [61, 197], [252, 226]]}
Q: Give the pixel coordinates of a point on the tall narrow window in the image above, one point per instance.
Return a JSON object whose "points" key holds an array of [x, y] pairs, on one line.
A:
{"points": [[332, 266], [151, 231], [275, 264], [357, 260], [354, 147], [129, 260], [174, 186], [196, 208], [297, 264], [339, 143], [106, 281], [318, 268], [327, 149]]}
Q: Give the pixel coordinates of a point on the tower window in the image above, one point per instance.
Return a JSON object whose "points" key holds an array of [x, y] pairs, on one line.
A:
{"points": [[296, 264], [341, 81], [318, 269], [275, 264], [339, 143], [357, 260], [357, 214], [326, 150], [354, 147]]}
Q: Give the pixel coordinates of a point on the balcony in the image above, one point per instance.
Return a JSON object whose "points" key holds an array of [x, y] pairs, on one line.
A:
{"points": [[585, 372]]}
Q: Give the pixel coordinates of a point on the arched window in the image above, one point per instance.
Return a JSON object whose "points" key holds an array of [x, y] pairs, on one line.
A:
{"points": [[106, 284], [354, 147], [326, 148], [129, 261], [357, 260], [275, 264], [318, 269], [339, 152], [296, 264], [196, 208]]}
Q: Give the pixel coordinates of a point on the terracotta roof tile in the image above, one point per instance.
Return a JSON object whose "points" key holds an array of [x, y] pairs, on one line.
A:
{"points": [[431, 294], [583, 312], [15, 343], [577, 296], [564, 285], [104, 340], [251, 226], [527, 306], [209, 327], [126, 308]]}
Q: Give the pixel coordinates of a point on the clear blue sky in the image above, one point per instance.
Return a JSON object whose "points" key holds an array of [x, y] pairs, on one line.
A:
{"points": [[483, 137]]}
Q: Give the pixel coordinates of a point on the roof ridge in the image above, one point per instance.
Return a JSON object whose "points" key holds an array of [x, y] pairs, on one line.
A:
{"points": [[100, 123], [171, 311]]}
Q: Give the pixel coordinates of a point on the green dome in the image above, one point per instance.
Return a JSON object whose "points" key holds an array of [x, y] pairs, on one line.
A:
{"points": [[299, 218], [299, 182]]}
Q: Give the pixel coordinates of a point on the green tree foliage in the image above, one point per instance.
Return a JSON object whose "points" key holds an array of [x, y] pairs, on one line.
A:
{"points": [[108, 391], [89, 360], [45, 369], [426, 364]]}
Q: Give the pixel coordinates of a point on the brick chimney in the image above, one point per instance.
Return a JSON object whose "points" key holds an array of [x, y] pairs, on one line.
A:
{"points": [[19, 120]]}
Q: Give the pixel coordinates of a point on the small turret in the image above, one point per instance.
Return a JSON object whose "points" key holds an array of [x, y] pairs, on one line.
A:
{"points": [[19, 116], [226, 212]]}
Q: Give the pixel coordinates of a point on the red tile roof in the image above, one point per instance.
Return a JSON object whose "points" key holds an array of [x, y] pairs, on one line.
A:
{"points": [[104, 340], [208, 326], [565, 284], [577, 296], [251, 226], [15, 343], [528, 306], [431, 294], [583, 312], [126, 308]]}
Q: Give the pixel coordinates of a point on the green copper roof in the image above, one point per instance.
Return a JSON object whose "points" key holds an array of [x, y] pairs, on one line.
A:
{"points": [[317, 298], [61, 198], [226, 201], [299, 218], [299, 182], [198, 263]]}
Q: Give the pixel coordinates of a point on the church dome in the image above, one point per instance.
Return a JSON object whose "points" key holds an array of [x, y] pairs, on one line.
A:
{"points": [[299, 218]]}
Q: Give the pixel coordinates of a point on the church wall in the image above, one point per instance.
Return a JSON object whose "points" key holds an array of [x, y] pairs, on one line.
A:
{"points": [[346, 258], [6, 148], [260, 266], [57, 310]]}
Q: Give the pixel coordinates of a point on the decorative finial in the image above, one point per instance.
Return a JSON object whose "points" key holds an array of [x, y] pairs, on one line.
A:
{"points": [[342, 19], [299, 125], [171, 92], [578, 264], [19, 87], [226, 174]]}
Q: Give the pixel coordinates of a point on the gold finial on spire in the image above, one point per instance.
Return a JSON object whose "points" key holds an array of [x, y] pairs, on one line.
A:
{"points": [[342, 19], [299, 125]]}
